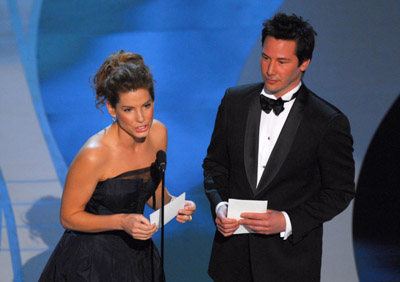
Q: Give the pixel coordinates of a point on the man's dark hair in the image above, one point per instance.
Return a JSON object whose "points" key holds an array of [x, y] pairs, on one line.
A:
{"points": [[286, 27]]}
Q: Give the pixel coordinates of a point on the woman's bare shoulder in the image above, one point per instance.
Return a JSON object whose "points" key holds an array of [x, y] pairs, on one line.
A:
{"points": [[159, 126], [159, 134], [93, 153]]}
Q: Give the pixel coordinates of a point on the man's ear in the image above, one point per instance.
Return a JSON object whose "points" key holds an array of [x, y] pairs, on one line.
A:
{"points": [[304, 65]]}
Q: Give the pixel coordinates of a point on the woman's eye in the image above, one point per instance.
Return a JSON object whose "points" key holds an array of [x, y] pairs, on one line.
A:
{"points": [[147, 105], [127, 110]]}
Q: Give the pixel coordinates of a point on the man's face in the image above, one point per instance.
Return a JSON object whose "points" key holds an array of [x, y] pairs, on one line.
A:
{"points": [[280, 66]]}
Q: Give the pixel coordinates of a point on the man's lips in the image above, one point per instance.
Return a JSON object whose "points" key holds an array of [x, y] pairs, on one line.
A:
{"points": [[271, 81]]}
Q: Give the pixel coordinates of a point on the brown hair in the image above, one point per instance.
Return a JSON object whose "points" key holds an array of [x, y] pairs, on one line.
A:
{"points": [[121, 72]]}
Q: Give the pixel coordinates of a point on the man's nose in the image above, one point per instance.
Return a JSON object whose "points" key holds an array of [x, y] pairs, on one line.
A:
{"points": [[271, 68]]}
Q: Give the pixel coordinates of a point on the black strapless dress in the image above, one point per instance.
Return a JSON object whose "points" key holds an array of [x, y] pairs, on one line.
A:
{"points": [[114, 255]]}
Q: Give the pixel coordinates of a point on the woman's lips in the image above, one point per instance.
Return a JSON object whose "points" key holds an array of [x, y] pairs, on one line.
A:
{"points": [[142, 128]]}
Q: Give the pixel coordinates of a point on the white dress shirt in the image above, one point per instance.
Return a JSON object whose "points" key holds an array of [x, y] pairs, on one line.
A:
{"points": [[270, 128]]}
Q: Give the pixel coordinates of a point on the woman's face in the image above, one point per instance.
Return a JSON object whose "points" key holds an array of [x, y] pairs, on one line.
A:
{"points": [[134, 113]]}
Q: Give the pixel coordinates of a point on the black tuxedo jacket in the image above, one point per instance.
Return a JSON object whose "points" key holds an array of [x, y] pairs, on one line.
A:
{"points": [[310, 175]]}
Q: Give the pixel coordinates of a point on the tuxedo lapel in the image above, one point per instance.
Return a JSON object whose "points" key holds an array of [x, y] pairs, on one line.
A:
{"points": [[251, 139], [285, 140]]}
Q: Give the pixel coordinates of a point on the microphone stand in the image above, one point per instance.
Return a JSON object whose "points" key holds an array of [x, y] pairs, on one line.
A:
{"points": [[162, 215]]}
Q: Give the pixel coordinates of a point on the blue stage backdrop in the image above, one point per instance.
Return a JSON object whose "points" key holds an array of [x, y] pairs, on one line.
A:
{"points": [[195, 50]]}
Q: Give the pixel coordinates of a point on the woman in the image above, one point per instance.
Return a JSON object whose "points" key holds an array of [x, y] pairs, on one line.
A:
{"points": [[107, 238]]}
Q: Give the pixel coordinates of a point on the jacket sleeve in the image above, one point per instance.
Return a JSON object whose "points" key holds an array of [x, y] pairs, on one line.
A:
{"points": [[216, 163], [336, 173]]}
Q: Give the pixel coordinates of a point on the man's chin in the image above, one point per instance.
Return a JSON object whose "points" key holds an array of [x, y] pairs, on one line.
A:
{"points": [[270, 90]]}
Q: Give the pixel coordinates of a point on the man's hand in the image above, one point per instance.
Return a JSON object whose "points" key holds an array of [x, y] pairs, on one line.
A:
{"points": [[226, 226], [271, 222]]}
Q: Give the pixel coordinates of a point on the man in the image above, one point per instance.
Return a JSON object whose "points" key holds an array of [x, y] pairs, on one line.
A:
{"points": [[297, 154]]}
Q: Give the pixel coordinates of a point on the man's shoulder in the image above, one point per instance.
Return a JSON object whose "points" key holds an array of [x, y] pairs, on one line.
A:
{"points": [[245, 89], [320, 106]]}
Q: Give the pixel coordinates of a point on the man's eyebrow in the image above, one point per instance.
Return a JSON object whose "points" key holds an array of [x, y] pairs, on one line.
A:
{"points": [[281, 58]]}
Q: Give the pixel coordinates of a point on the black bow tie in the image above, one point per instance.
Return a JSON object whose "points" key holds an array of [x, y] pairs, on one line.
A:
{"points": [[268, 104]]}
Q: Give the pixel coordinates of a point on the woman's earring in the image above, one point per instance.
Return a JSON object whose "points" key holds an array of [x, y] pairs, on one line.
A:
{"points": [[114, 119]]}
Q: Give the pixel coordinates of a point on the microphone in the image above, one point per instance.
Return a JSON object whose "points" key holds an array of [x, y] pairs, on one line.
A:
{"points": [[161, 160]]}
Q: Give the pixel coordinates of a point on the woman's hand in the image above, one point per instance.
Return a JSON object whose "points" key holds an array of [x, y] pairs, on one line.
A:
{"points": [[186, 214], [138, 226]]}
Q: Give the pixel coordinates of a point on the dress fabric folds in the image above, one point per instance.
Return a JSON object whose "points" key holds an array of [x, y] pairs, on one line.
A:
{"points": [[113, 255]]}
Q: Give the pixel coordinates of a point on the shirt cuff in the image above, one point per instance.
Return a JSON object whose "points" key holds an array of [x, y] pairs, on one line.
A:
{"points": [[220, 204], [285, 234]]}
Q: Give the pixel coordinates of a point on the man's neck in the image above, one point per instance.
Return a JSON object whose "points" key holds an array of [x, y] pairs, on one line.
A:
{"points": [[287, 96]]}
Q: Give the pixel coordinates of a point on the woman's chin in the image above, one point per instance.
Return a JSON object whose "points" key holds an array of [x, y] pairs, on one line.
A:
{"points": [[140, 139]]}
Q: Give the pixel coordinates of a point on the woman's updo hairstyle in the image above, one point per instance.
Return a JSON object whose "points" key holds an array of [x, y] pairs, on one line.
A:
{"points": [[121, 72]]}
